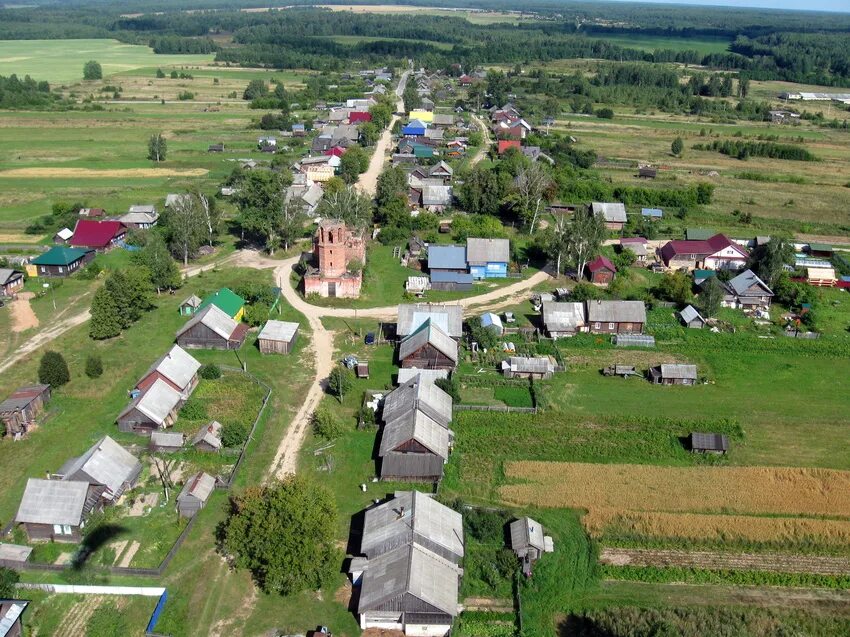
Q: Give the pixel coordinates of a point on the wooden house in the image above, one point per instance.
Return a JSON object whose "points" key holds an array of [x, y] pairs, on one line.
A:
{"points": [[61, 261], [528, 542], [488, 258], [166, 441], [673, 374], [537, 367], [718, 252], [709, 443], [601, 271], [105, 464], [97, 235], [429, 347], [447, 258], [155, 408], [21, 410], [55, 510], [211, 328], [177, 368], [747, 291], [277, 337], [195, 493], [11, 281], [616, 317], [613, 214], [208, 438], [448, 318]]}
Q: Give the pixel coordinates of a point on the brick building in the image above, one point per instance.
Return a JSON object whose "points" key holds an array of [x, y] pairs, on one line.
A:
{"points": [[335, 247]]}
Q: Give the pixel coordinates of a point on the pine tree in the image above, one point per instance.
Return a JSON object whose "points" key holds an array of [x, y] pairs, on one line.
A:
{"points": [[53, 370], [105, 318], [677, 146], [94, 366]]}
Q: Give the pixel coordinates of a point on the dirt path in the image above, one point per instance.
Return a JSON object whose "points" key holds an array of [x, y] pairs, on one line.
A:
{"points": [[130, 554], [727, 561], [482, 152], [368, 182], [23, 318]]}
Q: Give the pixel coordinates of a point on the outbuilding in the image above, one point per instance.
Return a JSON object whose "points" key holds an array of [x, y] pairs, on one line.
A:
{"points": [[166, 441], [613, 214], [601, 271], [673, 374], [529, 542], [190, 305], [277, 337], [562, 319], [691, 318], [21, 410], [492, 322], [709, 443], [208, 437], [536, 367], [195, 494]]}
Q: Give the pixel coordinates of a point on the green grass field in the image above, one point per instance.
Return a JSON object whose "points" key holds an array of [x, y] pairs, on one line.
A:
{"points": [[651, 43], [61, 61]]}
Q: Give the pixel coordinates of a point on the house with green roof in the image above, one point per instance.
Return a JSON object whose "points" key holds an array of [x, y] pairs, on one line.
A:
{"points": [[227, 301], [60, 261]]}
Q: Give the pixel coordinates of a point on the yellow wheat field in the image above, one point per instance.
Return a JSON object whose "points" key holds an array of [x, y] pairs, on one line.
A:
{"points": [[94, 173], [696, 526], [724, 490]]}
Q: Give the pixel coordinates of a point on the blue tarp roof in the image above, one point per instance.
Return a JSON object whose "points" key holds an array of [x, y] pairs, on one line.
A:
{"points": [[652, 212], [451, 277], [447, 257]]}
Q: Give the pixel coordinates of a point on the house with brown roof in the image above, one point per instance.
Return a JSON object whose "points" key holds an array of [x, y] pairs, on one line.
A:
{"points": [[155, 408], [176, 367], [601, 271]]}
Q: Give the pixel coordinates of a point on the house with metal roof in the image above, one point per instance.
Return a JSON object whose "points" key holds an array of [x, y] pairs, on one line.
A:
{"points": [[153, 409], [673, 374], [561, 319], [446, 258], [195, 493], [11, 617], [208, 437], [176, 367], [277, 337], [227, 301], [448, 318], [410, 589], [429, 347], [211, 328], [145, 216], [436, 198], [55, 510], [61, 261], [601, 271], [613, 214], [97, 235], [690, 317], [106, 464], [747, 291], [412, 517], [536, 367], [10, 281], [709, 443], [528, 542], [21, 410], [488, 258], [414, 128], [615, 317], [715, 253]]}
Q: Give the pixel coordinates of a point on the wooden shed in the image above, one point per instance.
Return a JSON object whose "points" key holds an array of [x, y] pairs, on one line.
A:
{"points": [[208, 437], [277, 337], [691, 318], [673, 374], [195, 494], [709, 443], [21, 410], [166, 441]]}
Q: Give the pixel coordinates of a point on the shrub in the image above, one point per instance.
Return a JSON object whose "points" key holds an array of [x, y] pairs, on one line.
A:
{"points": [[194, 409], [210, 371], [94, 366], [605, 113], [8, 579], [256, 314], [340, 381], [234, 434], [53, 370], [450, 386], [327, 425]]}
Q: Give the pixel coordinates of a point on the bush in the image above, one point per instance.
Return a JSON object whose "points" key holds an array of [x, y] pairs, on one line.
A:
{"points": [[234, 434], [488, 527], [605, 113], [194, 409], [450, 386], [327, 425], [53, 370], [94, 366], [210, 371], [8, 579], [256, 314]]}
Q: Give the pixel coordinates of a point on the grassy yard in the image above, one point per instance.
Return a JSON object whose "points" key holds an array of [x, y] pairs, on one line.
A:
{"points": [[653, 43]]}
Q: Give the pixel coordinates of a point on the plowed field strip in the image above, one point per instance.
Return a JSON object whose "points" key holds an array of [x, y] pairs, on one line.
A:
{"points": [[726, 561]]}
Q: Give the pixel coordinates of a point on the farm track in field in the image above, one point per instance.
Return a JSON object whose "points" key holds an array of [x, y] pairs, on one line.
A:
{"points": [[714, 560]]}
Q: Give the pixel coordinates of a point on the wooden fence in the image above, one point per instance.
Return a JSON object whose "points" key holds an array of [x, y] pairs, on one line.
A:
{"points": [[499, 408]]}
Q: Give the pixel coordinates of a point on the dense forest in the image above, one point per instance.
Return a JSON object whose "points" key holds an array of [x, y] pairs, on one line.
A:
{"points": [[799, 47], [25, 93]]}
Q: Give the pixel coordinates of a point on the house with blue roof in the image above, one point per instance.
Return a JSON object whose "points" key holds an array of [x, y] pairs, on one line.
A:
{"points": [[446, 258], [414, 128]]}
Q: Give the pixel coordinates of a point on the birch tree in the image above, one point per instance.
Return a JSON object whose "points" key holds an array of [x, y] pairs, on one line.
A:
{"points": [[349, 205], [584, 237], [185, 224], [532, 189]]}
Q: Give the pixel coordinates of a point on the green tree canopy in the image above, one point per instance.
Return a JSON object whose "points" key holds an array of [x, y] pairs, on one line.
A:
{"points": [[105, 318], [157, 259], [157, 148], [677, 146], [340, 381], [92, 70], [284, 534], [354, 162], [53, 370]]}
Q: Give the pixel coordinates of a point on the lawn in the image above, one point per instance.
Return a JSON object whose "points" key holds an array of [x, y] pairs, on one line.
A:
{"points": [[60, 61], [652, 43]]}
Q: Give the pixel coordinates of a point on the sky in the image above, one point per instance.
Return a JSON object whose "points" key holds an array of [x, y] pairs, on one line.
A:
{"points": [[842, 6]]}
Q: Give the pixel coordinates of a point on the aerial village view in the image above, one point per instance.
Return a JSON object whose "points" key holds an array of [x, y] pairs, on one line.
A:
{"points": [[428, 318]]}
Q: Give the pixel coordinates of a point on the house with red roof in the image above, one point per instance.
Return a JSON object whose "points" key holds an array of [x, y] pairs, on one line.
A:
{"points": [[336, 151], [716, 253], [97, 235], [359, 117], [506, 144], [601, 271], [465, 80]]}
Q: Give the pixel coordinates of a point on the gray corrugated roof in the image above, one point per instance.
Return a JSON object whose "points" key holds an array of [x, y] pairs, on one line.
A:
{"points": [[106, 463], [563, 317], [449, 257], [526, 364], [157, 402], [210, 434], [52, 502], [744, 281], [436, 196], [709, 441], [166, 439], [426, 334], [178, 366], [410, 571], [139, 217], [200, 486], [214, 318], [14, 552], [526, 532], [420, 395], [426, 375], [448, 317], [678, 370], [423, 515], [278, 331], [616, 312], [483, 251], [149, 208], [415, 426], [10, 619], [690, 314], [612, 212]]}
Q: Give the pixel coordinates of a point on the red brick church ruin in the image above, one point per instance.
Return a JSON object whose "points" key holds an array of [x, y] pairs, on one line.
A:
{"points": [[335, 248]]}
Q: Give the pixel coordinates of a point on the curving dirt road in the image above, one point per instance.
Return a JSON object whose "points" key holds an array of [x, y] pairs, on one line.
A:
{"points": [[482, 152]]}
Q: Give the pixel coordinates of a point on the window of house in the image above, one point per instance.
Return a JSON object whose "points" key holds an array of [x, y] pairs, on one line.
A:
{"points": [[61, 269], [597, 325], [57, 529], [610, 326], [66, 529]]}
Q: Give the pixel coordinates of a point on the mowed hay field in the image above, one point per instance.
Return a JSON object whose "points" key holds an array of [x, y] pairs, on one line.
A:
{"points": [[59, 61], [746, 490]]}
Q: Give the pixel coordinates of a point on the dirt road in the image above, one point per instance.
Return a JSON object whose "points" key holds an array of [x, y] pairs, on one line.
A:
{"points": [[368, 182], [482, 152], [23, 318]]}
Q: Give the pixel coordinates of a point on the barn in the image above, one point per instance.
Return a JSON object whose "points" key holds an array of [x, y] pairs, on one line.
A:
{"points": [[429, 347], [166, 441], [691, 318], [106, 464], [211, 328], [195, 493], [277, 337], [21, 410], [709, 443], [673, 374], [601, 271], [538, 367]]}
